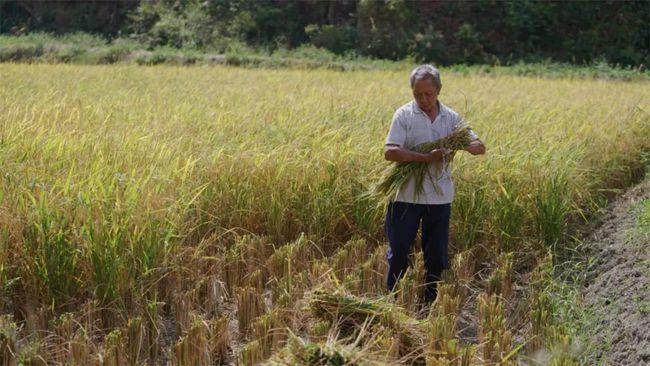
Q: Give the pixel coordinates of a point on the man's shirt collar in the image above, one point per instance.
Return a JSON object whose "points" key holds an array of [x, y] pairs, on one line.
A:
{"points": [[442, 109]]}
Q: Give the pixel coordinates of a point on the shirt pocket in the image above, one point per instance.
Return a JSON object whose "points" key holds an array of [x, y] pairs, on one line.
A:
{"points": [[418, 135]]}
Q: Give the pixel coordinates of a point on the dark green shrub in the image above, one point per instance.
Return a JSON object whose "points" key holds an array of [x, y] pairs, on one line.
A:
{"points": [[335, 38], [20, 52]]}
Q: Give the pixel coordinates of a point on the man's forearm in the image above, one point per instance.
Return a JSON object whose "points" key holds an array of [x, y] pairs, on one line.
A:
{"points": [[402, 155]]}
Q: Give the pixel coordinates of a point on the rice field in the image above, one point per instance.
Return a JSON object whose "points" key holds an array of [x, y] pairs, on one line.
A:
{"points": [[216, 215]]}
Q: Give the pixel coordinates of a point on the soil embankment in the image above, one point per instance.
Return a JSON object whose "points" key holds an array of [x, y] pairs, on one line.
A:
{"points": [[617, 288]]}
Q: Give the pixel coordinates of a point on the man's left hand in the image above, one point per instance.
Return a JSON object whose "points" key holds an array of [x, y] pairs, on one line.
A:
{"points": [[476, 147]]}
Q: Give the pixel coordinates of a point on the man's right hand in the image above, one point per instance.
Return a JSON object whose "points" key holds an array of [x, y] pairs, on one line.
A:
{"points": [[436, 155]]}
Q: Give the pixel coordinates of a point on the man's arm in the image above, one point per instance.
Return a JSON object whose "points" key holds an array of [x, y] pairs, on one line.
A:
{"points": [[396, 153]]}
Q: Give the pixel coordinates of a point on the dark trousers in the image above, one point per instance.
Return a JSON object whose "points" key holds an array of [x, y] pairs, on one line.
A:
{"points": [[402, 223]]}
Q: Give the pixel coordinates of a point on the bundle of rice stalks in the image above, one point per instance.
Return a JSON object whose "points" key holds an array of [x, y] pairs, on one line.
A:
{"points": [[362, 317], [355, 311], [63, 328], [331, 353], [400, 173]]}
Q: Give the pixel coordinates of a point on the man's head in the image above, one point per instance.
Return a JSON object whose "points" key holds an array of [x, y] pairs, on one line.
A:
{"points": [[426, 85]]}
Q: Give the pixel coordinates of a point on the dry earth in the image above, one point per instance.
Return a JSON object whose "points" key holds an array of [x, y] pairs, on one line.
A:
{"points": [[617, 288]]}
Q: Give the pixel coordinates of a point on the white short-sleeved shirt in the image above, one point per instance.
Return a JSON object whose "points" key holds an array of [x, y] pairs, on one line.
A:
{"points": [[410, 127]]}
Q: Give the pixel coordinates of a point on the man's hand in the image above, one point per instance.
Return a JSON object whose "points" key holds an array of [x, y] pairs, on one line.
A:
{"points": [[476, 147], [437, 155]]}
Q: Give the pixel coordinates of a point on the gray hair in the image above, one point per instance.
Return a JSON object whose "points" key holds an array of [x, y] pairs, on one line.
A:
{"points": [[426, 72]]}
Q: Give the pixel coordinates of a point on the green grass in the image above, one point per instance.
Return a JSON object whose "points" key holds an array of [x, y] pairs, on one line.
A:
{"points": [[84, 48], [643, 216]]}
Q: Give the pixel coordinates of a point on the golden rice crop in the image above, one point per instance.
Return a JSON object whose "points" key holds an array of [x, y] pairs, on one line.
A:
{"points": [[176, 214]]}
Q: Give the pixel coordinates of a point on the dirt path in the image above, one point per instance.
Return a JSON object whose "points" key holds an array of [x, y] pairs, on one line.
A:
{"points": [[617, 288]]}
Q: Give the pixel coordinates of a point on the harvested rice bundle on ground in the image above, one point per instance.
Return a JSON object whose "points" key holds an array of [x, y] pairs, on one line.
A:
{"points": [[355, 310], [400, 173], [358, 315], [331, 353]]}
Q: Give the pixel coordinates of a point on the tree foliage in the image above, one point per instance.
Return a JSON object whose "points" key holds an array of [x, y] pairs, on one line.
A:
{"points": [[445, 32]]}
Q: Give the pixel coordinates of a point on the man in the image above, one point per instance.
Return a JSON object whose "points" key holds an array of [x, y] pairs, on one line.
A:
{"points": [[422, 120]]}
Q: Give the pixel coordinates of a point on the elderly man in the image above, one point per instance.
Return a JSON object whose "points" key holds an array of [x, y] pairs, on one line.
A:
{"points": [[422, 120]]}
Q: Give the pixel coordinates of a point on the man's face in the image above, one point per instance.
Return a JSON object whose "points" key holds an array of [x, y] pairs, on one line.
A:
{"points": [[425, 94]]}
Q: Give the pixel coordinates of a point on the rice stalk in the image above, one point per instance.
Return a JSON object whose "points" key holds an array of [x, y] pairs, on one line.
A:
{"points": [[371, 274], [250, 305], [269, 331], [509, 213], [256, 280], [500, 282], [442, 330], [81, 348], [63, 327], [135, 339], [495, 339], [541, 313], [291, 258], [114, 353], [214, 292], [250, 354], [8, 340], [409, 288], [247, 254], [152, 324], [194, 348], [462, 270], [349, 255], [448, 300], [470, 213], [184, 308], [221, 337]]}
